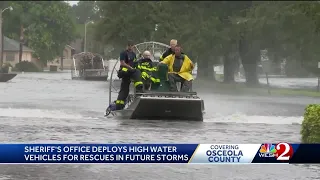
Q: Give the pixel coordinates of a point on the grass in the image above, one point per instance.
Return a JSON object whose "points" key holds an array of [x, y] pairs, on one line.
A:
{"points": [[296, 92], [241, 88]]}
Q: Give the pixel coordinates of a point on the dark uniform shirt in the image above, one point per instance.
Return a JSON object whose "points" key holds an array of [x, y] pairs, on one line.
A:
{"points": [[166, 53], [177, 64], [128, 56]]}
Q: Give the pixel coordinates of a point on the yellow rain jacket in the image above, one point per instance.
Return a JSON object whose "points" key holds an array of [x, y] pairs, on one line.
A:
{"points": [[185, 70]]}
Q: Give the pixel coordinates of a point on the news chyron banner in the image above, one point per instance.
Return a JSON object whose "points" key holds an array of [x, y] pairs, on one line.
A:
{"points": [[159, 153]]}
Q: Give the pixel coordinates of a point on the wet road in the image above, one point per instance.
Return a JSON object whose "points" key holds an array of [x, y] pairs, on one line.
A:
{"points": [[52, 108]]}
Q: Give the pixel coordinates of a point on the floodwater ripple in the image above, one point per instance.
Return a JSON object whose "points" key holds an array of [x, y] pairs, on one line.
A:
{"points": [[50, 107]]}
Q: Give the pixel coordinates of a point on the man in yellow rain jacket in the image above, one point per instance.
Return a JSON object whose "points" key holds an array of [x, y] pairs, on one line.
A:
{"points": [[180, 70], [170, 50]]}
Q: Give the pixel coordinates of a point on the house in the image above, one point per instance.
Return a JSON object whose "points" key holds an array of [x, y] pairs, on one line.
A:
{"points": [[66, 62], [11, 52], [11, 55]]}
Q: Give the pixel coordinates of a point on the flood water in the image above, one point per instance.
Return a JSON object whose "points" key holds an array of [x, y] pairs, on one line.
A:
{"points": [[50, 107]]}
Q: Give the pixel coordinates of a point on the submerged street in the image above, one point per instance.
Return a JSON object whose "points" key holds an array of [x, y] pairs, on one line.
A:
{"points": [[50, 107]]}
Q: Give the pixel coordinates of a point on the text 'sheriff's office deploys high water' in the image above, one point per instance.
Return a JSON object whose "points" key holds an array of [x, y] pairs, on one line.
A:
{"points": [[159, 153]]}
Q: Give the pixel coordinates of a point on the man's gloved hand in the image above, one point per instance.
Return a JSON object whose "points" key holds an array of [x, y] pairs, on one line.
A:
{"points": [[120, 74], [132, 70], [192, 66], [145, 75]]}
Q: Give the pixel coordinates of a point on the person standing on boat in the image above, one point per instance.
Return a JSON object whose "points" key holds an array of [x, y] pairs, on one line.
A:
{"points": [[170, 50], [128, 73], [145, 65], [180, 70]]}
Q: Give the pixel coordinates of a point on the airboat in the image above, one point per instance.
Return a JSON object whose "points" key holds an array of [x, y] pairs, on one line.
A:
{"points": [[160, 103], [4, 77], [89, 66], [5, 74]]}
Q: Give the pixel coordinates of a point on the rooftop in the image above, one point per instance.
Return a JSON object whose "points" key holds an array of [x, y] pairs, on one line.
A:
{"points": [[12, 45]]}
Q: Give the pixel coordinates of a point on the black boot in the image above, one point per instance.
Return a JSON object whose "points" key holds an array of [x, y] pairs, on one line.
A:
{"points": [[139, 89], [120, 106]]}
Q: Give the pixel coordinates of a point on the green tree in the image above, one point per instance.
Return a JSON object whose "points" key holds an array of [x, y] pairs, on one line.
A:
{"points": [[281, 29], [123, 20], [46, 27], [82, 13], [85, 11], [210, 31]]}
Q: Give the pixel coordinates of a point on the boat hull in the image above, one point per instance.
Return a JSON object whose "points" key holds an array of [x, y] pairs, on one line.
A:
{"points": [[164, 107], [96, 78], [92, 78], [4, 77]]}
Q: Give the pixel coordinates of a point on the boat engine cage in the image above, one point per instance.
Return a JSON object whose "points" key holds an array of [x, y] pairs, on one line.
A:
{"points": [[97, 68], [152, 46]]}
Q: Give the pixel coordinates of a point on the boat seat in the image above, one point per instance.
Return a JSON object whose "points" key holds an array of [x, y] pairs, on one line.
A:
{"points": [[162, 74], [155, 63]]}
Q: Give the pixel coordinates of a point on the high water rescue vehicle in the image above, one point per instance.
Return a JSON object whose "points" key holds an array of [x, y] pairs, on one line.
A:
{"points": [[159, 103]]}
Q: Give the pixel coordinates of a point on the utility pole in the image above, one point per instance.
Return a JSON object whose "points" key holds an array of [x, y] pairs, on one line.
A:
{"points": [[85, 35], [1, 35], [85, 38]]}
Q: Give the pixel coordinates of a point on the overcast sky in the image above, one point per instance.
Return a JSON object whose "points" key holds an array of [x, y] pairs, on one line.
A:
{"points": [[72, 2]]}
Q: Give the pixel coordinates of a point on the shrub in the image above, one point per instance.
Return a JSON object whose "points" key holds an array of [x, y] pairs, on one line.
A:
{"points": [[310, 129], [26, 66], [5, 67]]}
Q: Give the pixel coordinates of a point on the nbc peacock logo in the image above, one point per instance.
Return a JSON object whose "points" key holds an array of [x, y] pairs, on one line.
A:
{"points": [[267, 150]]}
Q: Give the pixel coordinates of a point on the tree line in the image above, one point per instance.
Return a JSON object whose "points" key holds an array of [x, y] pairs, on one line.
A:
{"points": [[211, 31], [44, 26]]}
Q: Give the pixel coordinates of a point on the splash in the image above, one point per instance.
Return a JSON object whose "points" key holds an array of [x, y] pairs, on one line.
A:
{"points": [[5, 177], [37, 113], [243, 118]]}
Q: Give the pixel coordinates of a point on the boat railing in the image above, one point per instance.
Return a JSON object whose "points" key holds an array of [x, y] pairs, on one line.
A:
{"points": [[111, 80], [152, 46], [170, 93], [75, 73]]}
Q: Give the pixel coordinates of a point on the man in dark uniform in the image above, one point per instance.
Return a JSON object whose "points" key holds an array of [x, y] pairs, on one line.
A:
{"points": [[169, 51], [128, 73]]}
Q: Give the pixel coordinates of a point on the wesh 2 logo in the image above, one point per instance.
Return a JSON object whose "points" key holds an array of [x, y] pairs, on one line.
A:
{"points": [[282, 151]]}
